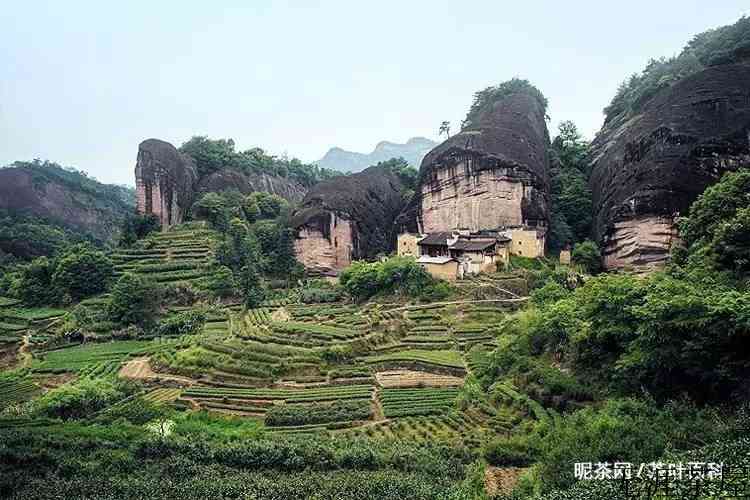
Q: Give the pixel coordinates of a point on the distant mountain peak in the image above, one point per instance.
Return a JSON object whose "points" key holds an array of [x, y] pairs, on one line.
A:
{"points": [[350, 161]]}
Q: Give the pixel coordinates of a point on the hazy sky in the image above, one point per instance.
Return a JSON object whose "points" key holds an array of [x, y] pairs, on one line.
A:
{"points": [[83, 83]]}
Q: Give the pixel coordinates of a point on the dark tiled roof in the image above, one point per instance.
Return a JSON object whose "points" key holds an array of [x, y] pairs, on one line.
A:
{"points": [[436, 239], [472, 245]]}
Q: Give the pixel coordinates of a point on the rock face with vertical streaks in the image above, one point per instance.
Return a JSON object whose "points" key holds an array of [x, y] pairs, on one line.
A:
{"points": [[164, 181], [245, 183], [490, 175], [648, 168], [347, 218]]}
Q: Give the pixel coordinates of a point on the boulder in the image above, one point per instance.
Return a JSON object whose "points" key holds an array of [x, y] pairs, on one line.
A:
{"points": [[164, 181], [492, 174], [228, 179], [648, 168], [347, 218]]}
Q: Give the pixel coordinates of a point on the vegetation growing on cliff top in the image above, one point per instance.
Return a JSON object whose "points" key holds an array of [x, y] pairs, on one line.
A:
{"points": [[213, 155], [490, 95], [26, 234], [724, 45]]}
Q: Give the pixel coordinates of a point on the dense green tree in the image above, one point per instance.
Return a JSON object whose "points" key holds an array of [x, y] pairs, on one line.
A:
{"points": [[250, 209], [238, 247], [212, 155], [731, 243], [715, 207], [134, 301], [221, 282], [250, 285], [571, 198], [276, 248], [396, 275], [83, 398], [490, 95], [214, 208], [137, 227], [34, 284], [26, 238], [406, 173], [588, 255], [269, 205], [82, 271], [723, 45]]}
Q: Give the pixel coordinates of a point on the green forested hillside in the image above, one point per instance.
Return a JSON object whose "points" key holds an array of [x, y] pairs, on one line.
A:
{"points": [[44, 207]]}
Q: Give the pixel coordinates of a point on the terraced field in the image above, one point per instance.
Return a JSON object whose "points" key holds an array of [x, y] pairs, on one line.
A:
{"points": [[258, 317], [82, 358], [163, 395], [420, 358], [510, 394], [258, 401], [16, 390], [16, 321], [410, 378], [179, 255], [450, 426], [419, 401]]}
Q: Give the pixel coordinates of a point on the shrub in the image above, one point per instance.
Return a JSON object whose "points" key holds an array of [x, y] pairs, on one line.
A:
{"points": [[396, 275], [82, 272], [320, 295], [184, 323], [587, 255], [135, 300], [82, 398], [625, 430], [339, 411], [508, 452]]}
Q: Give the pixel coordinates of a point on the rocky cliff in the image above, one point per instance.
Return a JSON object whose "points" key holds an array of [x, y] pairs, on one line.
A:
{"points": [[164, 181], [347, 218], [649, 167], [491, 174], [46, 193], [167, 182], [349, 161], [227, 179]]}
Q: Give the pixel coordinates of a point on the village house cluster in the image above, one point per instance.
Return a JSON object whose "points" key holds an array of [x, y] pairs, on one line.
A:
{"points": [[452, 255]]}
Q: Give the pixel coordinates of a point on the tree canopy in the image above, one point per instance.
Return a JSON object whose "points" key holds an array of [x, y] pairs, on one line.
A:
{"points": [[727, 44], [212, 155], [490, 95]]}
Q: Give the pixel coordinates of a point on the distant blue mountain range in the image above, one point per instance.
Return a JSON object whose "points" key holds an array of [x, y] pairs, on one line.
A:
{"points": [[349, 161]]}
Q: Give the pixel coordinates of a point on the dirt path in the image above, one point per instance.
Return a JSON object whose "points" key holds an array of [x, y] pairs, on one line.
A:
{"points": [[23, 352], [140, 369], [501, 480], [378, 415]]}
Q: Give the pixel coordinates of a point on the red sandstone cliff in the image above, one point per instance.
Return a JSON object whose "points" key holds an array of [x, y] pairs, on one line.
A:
{"points": [[491, 174], [347, 218], [164, 181]]}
